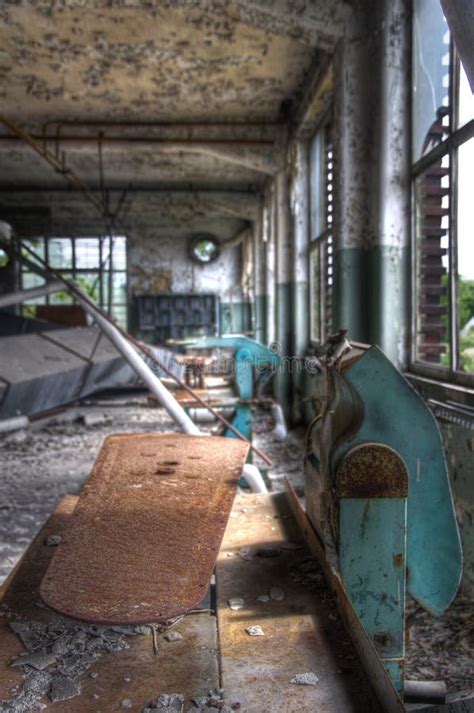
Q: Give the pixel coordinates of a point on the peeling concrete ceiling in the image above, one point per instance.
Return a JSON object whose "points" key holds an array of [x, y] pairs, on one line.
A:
{"points": [[237, 63], [157, 61]]}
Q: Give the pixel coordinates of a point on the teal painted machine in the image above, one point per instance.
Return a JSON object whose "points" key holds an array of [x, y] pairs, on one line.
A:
{"points": [[377, 493], [253, 366]]}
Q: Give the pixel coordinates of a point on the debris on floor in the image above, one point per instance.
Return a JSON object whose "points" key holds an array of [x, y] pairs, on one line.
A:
{"points": [[57, 655], [212, 702], [277, 594], [173, 636], [305, 679], [166, 702], [60, 452], [236, 603], [255, 630]]}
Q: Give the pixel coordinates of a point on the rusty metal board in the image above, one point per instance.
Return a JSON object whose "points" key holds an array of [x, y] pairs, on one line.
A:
{"points": [[147, 528], [302, 632], [188, 666]]}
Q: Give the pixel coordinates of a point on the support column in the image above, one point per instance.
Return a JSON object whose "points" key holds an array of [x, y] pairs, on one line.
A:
{"points": [[284, 260], [389, 300], [260, 295], [270, 265], [300, 278], [354, 82]]}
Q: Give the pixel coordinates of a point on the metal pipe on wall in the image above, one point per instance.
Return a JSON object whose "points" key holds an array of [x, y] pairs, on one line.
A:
{"points": [[284, 260], [300, 278]]}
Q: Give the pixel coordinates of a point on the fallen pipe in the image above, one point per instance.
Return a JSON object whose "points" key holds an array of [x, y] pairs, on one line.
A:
{"points": [[14, 298], [162, 394]]}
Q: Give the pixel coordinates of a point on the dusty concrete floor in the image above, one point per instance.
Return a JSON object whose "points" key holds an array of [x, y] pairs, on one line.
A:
{"points": [[52, 459]]}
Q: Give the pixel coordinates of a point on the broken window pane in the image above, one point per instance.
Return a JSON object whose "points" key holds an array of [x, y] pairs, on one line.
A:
{"points": [[465, 100], [119, 287], [431, 72], [60, 253], [87, 253]]}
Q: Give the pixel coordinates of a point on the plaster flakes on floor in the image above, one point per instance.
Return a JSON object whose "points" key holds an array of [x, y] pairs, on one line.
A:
{"points": [[255, 630], [236, 603], [305, 679], [277, 594], [67, 650], [173, 636]]}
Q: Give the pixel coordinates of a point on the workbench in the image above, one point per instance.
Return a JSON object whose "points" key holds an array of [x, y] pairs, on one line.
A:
{"points": [[262, 554]]}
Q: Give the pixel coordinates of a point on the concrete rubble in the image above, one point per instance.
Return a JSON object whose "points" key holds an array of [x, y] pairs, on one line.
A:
{"points": [[255, 630], [305, 679], [57, 655]]}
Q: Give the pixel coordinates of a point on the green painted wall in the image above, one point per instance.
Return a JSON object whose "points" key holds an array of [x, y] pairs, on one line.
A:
{"points": [[235, 317], [371, 297], [260, 312], [282, 381], [350, 294]]}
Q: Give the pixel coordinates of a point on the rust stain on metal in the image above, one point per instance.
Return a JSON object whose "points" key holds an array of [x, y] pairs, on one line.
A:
{"points": [[189, 666], [372, 470], [142, 548], [398, 561]]}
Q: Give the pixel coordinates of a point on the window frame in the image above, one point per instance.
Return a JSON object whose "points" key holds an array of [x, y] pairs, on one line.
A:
{"points": [[457, 136], [322, 240], [101, 271]]}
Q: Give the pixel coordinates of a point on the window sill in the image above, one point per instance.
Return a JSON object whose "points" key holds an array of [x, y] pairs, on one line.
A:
{"points": [[441, 390]]}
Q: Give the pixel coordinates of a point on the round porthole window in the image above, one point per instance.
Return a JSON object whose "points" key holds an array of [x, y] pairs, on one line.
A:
{"points": [[204, 248], [4, 258]]}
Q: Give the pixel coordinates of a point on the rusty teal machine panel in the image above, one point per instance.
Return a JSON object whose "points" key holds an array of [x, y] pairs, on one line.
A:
{"points": [[378, 494], [254, 365]]}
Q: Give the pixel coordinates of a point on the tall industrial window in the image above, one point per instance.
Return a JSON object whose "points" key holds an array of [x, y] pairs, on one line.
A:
{"points": [[87, 261], [443, 179], [321, 226]]}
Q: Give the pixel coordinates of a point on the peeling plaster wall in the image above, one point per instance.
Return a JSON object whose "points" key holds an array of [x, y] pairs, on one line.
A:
{"points": [[165, 251]]}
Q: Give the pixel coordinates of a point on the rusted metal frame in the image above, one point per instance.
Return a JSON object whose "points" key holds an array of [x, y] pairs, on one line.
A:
{"points": [[143, 348], [380, 680]]}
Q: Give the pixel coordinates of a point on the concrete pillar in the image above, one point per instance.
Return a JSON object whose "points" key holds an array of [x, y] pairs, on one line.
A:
{"points": [[354, 82], [301, 237], [389, 298], [270, 265], [284, 274], [260, 294], [372, 184], [300, 278]]}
